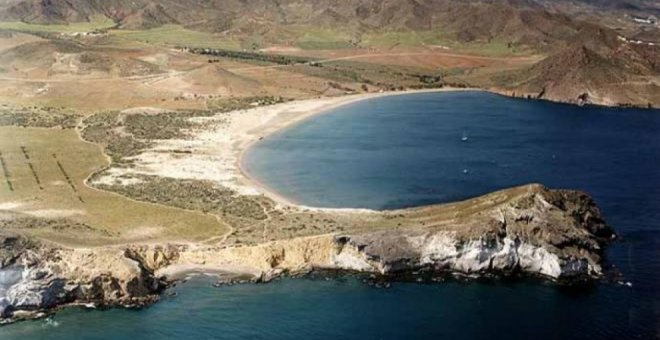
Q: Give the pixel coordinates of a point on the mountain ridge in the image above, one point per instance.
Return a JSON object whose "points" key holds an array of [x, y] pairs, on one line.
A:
{"points": [[610, 55]]}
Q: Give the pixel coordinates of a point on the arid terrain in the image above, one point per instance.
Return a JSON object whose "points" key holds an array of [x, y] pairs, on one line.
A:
{"points": [[122, 124], [120, 54]]}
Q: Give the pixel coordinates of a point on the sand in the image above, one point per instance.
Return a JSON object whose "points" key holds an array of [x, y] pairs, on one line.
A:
{"points": [[214, 152]]}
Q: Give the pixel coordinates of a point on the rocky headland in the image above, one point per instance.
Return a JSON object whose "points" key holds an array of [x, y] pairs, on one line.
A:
{"points": [[529, 230]]}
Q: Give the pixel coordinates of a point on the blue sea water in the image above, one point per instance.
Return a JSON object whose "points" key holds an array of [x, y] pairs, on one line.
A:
{"points": [[405, 151]]}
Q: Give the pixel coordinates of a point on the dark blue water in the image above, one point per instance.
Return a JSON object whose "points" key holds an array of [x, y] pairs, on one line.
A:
{"points": [[405, 151]]}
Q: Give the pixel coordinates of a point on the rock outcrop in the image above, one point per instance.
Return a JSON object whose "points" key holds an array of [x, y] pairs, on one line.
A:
{"points": [[36, 277], [557, 234], [529, 230]]}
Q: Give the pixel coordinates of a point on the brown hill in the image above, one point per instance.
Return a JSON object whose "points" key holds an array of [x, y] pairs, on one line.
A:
{"points": [[516, 21], [620, 75], [584, 57]]}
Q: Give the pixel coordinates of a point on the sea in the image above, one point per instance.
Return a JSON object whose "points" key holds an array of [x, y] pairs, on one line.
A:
{"points": [[418, 149]]}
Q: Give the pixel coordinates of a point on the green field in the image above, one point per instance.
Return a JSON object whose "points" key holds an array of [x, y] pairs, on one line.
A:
{"points": [[324, 39], [439, 39], [176, 35]]}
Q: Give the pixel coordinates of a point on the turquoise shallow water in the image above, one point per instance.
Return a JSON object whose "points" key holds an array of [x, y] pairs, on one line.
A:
{"points": [[406, 151]]}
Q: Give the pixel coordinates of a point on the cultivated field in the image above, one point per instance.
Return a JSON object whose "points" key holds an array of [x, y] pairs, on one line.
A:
{"points": [[43, 174]]}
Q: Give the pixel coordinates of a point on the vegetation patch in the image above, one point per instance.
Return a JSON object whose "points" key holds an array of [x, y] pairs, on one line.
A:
{"points": [[240, 103], [124, 135], [384, 77], [46, 117], [106, 129], [441, 40], [160, 126], [247, 215], [325, 39], [22, 222], [250, 56], [199, 195]]}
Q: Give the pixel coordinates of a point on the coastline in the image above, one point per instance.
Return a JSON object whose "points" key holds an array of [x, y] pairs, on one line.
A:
{"points": [[279, 123], [215, 151], [490, 234]]}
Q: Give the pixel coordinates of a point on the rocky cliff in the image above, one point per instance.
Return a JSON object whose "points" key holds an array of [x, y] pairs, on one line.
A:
{"points": [[557, 234], [36, 277]]}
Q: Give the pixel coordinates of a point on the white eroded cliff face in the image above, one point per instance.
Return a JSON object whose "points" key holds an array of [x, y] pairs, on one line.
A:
{"points": [[42, 278], [556, 234], [443, 251], [552, 233]]}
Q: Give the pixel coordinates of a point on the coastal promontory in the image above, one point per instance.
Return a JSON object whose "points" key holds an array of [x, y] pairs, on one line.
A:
{"points": [[528, 230]]}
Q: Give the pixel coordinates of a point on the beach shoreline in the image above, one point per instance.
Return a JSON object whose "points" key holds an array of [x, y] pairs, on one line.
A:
{"points": [[283, 121]]}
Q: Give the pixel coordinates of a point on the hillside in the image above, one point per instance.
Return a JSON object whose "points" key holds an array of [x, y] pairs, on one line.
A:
{"points": [[528, 22], [614, 61], [598, 67], [515, 21]]}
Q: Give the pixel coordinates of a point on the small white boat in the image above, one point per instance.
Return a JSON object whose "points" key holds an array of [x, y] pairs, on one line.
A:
{"points": [[465, 137]]}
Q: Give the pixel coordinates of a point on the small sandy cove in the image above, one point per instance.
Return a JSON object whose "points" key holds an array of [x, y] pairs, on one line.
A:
{"points": [[214, 152]]}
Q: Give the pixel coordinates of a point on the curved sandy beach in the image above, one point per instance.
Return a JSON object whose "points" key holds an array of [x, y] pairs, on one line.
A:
{"points": [[288, 114], [214, 152]]}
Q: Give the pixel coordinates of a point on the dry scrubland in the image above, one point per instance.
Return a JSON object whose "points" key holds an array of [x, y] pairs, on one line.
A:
{"points": [[127, 51], [46, 161], [93, 180], [46, 65], [94, 100], [62, 90]]}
